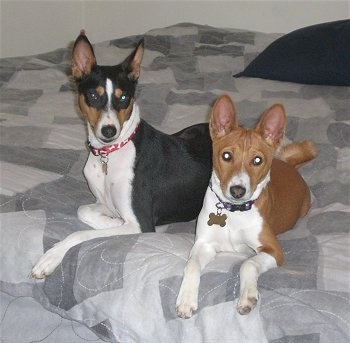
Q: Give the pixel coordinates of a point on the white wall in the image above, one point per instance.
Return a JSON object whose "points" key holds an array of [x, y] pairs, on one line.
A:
{"points": [[30, 27]]}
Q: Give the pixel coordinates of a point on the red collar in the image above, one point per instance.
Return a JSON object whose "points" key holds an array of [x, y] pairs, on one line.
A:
{"points": [[106, 150]]}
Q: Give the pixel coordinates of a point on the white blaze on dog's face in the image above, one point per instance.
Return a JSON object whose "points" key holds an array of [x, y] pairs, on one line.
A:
{"points": [[242, 157], [106, 93]]}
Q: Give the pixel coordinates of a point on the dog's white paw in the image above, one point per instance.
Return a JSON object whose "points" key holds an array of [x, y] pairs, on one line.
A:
{"points": [[98, 216], [186, 305], [248, 300], [48, 262]]}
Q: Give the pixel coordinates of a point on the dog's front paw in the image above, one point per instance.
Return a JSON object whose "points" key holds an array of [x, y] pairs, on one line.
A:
{"points": [[186, 305], [248, 300], [98, 216], [48, 262]]}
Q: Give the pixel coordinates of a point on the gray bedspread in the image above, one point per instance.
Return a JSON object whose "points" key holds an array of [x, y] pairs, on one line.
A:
{"points": [[123, 289]]}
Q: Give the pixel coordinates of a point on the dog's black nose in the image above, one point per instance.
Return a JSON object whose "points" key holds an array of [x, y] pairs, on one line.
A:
{"points": [[237, 191], [109, 131]]}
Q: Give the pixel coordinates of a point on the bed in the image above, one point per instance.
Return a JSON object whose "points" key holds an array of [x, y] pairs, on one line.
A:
{"points": [[123, 289]]}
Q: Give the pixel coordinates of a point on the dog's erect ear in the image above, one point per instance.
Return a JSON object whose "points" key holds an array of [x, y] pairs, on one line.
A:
{"points": [[83, 57], [272, 124], [223, 117], [132, 63]]}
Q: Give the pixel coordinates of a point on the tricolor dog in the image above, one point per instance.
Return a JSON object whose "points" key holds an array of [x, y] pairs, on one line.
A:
{"points": [[251, 198], [139, 176]]}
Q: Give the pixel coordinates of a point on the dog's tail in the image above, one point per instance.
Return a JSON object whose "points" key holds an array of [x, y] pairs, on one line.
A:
{"points": [[298, 153]]}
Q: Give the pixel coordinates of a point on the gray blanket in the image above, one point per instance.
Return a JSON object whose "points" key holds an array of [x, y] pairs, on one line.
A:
{"points": [[123, 289]]}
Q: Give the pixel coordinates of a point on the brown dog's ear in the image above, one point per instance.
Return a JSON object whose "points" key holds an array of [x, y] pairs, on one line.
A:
{"points": [[223, 117], [272, 124], [132, 64], [83, 57]]}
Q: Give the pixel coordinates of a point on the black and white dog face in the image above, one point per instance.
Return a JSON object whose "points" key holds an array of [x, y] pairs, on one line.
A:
{"points": [[106, 93]]}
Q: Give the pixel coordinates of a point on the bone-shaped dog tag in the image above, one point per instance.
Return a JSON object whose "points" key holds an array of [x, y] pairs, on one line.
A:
{"points": [[217, 219]]}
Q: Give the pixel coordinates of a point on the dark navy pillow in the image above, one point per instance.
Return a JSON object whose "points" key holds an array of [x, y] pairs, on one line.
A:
{"points": [[318, 54]]}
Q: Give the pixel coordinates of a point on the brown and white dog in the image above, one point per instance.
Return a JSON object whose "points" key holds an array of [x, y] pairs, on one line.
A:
{"points": [[252, 197]]}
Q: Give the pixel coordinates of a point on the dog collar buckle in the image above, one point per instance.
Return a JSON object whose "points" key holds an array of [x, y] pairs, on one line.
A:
{"points": [[246, 206]]}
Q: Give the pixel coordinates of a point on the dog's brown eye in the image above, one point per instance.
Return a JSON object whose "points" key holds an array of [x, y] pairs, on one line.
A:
{"points": [[227, 156], [121, 102], [124, 97], [257, 160], [92, 96], [92, 93]]}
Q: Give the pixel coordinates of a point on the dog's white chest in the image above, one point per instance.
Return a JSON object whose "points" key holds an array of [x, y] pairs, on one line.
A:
{"points": [[244, 228], [240, 229], [114, 188]]}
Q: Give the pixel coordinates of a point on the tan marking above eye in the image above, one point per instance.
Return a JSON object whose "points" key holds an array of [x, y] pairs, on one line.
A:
{"points": [[118, 93], [100, 90]]}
